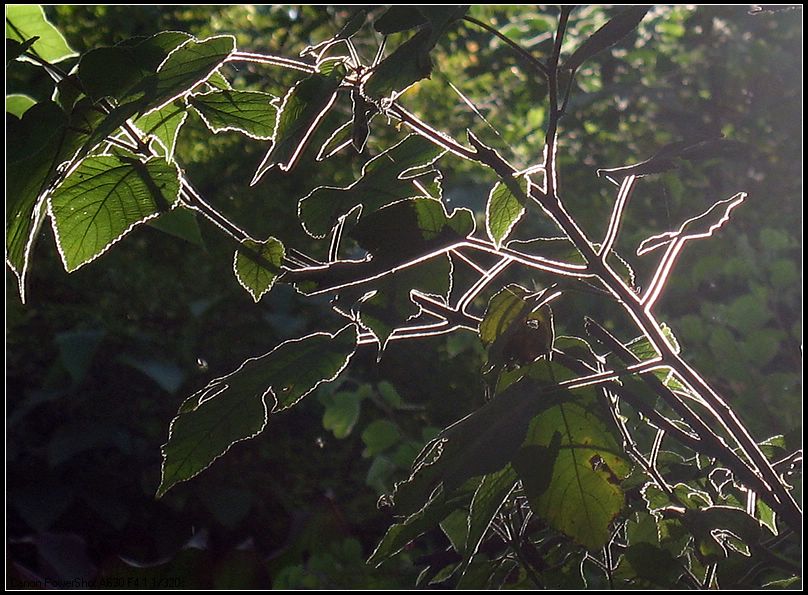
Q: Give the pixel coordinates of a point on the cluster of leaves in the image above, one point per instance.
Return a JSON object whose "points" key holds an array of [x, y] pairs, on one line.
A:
{"points": [[540, 485]]}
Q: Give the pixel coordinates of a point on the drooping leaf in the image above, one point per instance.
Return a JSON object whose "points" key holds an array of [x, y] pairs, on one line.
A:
{"points": [[303, 107], [609, 34], [668, 157], [257, 265], [503, 211], [250, 112], [581, 492], [384, 180], [234, 407], [164, 125], [103, 199], [37, 145], [17, 104], [25, 21]]}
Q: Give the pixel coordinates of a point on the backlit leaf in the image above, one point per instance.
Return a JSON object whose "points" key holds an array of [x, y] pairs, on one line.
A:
{"points": [[250, 112], [104, 198], [25, 21], [384, 180], [303, 107], [235, 408], [257, 265], [503, 211]]}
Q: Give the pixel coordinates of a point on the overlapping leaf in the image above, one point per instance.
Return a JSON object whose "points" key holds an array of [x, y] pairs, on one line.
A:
{"points": [[396, 236], [164, 125], [433, 512], [515, 329], [480, 443], [150, 74], [384, 179], [250, 112], [257, 265], [38, 143], [26, 21], [104, 198], [234, 408], [578, 490], [303, 107], [503, 210]]}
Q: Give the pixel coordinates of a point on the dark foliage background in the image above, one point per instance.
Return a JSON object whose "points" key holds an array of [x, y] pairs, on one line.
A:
{"points": [[99, 361]]}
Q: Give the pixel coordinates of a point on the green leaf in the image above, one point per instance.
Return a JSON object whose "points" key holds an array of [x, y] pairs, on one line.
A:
{"points": [[503, 211], [18, 104], [303, 107], [379, 436], [250, 112], [645, 564], [384, 179], [342, 412], [608, 35], [257, 265], [137, 86], [164, 125], [179, 222], [103, 199], [24, 21], [37, 145], [189, 65], [514, 330], [233, 408], [642, 348]]}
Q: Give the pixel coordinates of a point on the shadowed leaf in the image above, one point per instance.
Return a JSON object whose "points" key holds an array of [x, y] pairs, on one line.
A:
{"points": [[608, 35]]}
